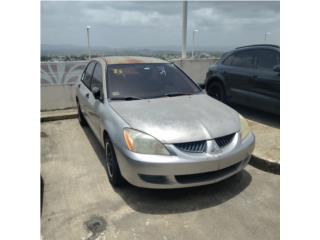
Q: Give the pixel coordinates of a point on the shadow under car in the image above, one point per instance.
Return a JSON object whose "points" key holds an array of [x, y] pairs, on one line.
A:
{"points": [[170, 201]]}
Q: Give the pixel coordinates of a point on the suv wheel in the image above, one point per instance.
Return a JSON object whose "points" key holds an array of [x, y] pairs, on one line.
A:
{"points": [[113, 171], [216, 91]]}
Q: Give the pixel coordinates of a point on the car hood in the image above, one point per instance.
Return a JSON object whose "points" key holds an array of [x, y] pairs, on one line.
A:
{"points": [[179, 119]]}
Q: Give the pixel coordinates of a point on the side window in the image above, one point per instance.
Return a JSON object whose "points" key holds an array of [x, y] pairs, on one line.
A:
{"points": [[244, 59], [97, 78], [268, 59], [228, 60], [87, 75], [83, 74]]}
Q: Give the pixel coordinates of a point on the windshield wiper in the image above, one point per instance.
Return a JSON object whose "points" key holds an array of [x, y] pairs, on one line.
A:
{"points": [[129, 98], [174, 94]]}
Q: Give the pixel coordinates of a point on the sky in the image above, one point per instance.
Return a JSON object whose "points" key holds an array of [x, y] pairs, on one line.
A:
{"points": [[148, 24]]}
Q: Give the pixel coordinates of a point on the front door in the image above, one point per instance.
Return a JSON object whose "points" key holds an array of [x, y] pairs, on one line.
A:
{"points": [[95, 105], [85, 90]]}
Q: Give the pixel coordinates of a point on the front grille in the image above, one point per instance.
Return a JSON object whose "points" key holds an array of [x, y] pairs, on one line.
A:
{"points": [[192, 147], [225, 140], [207, 176]]}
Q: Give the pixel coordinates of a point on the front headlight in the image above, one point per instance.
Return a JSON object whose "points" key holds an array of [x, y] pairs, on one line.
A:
{"points": [[244, 127], [143, 143]]}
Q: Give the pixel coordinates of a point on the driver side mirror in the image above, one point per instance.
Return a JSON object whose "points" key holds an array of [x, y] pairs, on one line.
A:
{"points": [[276, 68], [96, 92]]}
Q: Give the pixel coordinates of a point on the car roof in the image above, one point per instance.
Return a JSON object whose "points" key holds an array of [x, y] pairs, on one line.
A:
{"points": [[130, 60], [253, 46], [259, 46]]}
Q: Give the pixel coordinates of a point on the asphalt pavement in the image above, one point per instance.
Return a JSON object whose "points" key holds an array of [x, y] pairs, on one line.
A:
{"points": [[79, 202]]}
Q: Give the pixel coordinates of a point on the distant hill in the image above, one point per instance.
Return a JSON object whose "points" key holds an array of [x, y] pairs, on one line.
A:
{"points": [[49, 50]]}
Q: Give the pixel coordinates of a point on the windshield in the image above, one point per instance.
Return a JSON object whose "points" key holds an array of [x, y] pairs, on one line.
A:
{"points": [[141, 81]]}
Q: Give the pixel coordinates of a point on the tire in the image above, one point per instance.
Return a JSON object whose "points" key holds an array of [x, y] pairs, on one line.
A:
{"points": [[113, 171], [81, 118], [216, 90]]}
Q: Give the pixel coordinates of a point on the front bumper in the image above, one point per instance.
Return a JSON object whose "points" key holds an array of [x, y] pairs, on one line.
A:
{"points": [[185, 169]]}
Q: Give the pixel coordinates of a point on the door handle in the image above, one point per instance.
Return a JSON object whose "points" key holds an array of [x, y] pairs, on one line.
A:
{"points": [[87, 95]]}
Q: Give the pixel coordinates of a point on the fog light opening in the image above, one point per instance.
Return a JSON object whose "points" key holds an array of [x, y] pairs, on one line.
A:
{"points": [[157, 179]]}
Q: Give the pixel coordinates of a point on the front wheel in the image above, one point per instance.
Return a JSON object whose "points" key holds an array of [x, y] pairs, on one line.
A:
{"points": [[113, 171], [216, 91]]}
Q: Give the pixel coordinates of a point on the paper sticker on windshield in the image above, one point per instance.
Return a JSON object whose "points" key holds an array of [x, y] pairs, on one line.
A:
{"points": [[115, 93], [116, 71]]}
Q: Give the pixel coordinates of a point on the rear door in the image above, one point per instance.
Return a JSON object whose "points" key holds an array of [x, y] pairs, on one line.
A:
{"points": [[85, 90], [239, 69], [267, 81], [95, 106]]}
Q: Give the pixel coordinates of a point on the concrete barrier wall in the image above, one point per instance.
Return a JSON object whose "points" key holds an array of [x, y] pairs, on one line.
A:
{"points": [[54, 97], [58, 80], [57, 84], [61, 73], [195, 68]]}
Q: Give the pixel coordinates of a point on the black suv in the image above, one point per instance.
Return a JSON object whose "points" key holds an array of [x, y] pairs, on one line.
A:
{"points": [[248, 75]]}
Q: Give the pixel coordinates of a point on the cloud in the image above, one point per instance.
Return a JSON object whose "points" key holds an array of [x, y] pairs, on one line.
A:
{"points": [[234, 16], [134, 23], [114, 17]]}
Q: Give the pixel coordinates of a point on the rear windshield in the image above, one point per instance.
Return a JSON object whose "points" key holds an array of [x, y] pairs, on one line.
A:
{"points": [[141, 81]]}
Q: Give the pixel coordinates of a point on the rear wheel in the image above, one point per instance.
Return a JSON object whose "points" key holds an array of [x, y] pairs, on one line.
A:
{"points": [[113, 171], [216, 91], [81, 118]]}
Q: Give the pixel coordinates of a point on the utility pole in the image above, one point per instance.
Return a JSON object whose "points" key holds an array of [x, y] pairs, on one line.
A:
{"points": [[88, 38], [184, 29], [193, 45]]}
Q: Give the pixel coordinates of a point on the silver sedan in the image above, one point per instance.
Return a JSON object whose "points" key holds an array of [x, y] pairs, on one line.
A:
{"points": [[158, 128]]}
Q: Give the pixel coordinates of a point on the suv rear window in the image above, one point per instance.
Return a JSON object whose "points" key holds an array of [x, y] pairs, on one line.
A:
{"points": [[241, 59], [244, 59]]}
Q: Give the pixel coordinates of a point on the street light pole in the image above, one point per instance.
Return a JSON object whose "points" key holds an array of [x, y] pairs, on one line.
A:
{"points": [[184, 29], [88, 38], [265, 36], [193, 45]]}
